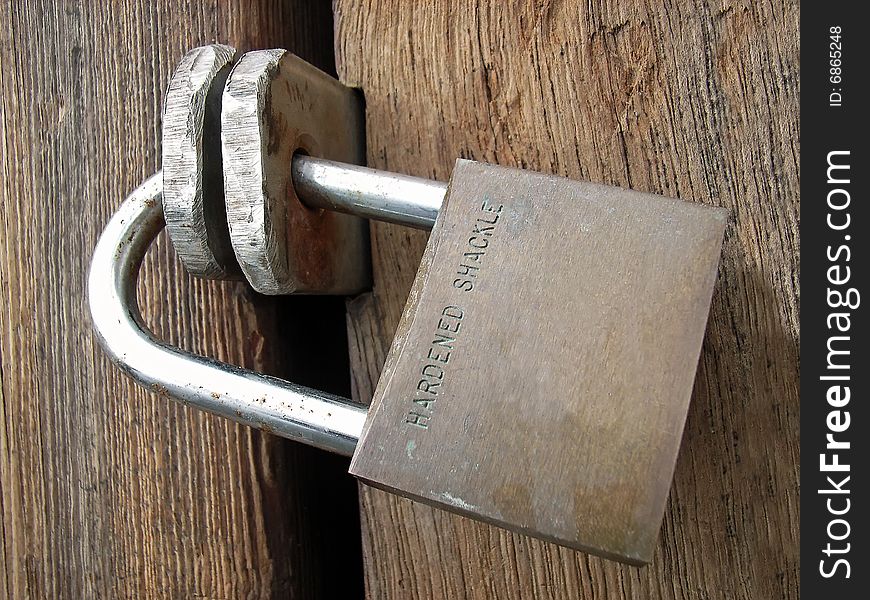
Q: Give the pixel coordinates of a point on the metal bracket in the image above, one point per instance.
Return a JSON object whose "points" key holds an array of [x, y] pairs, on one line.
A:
{"points": [[275, 105]]}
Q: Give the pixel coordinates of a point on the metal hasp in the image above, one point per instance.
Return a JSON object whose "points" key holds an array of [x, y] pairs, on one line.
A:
{"points": [[230, 131], [540, 375], [274, 105]]}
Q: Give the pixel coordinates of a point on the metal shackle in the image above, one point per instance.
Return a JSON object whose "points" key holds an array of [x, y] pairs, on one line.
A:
{"points": [[292, 411], [259, 89]]}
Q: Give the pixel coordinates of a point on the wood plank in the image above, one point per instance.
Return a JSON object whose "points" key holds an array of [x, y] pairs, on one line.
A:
{"points": [[691, 99], [107, 490]]}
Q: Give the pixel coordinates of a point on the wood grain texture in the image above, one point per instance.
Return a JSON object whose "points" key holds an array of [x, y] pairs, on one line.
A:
{"points": [[692, 99], [109, 491]]}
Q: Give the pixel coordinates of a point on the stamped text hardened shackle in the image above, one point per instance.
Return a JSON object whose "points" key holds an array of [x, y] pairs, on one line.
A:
{"points": [[286, 409]]}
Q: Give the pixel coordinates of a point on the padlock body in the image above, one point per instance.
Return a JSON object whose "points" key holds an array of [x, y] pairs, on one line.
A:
{"points": [[541, 372]]}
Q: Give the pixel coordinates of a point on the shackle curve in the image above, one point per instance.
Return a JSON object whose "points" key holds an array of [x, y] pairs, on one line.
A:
{"points": [[292, 411]]}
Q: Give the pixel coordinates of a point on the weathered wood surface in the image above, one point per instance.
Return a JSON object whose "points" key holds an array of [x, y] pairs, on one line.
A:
{"points": [[692, 99], [109, 491]]}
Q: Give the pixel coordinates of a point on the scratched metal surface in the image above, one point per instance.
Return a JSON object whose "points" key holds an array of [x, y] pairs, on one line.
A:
{"points": [[541, 372], [275, 104], [193, 191]]}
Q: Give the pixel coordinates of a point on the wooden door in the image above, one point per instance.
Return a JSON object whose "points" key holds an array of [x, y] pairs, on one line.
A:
{"points": [[692, 99], [109, 491]]}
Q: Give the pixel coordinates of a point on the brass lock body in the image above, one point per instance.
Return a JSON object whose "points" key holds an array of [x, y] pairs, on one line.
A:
{"points": [[541, 372]]}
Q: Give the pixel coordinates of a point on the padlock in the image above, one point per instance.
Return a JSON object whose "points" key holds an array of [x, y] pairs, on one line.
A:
{"points": [[542, 369]]}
